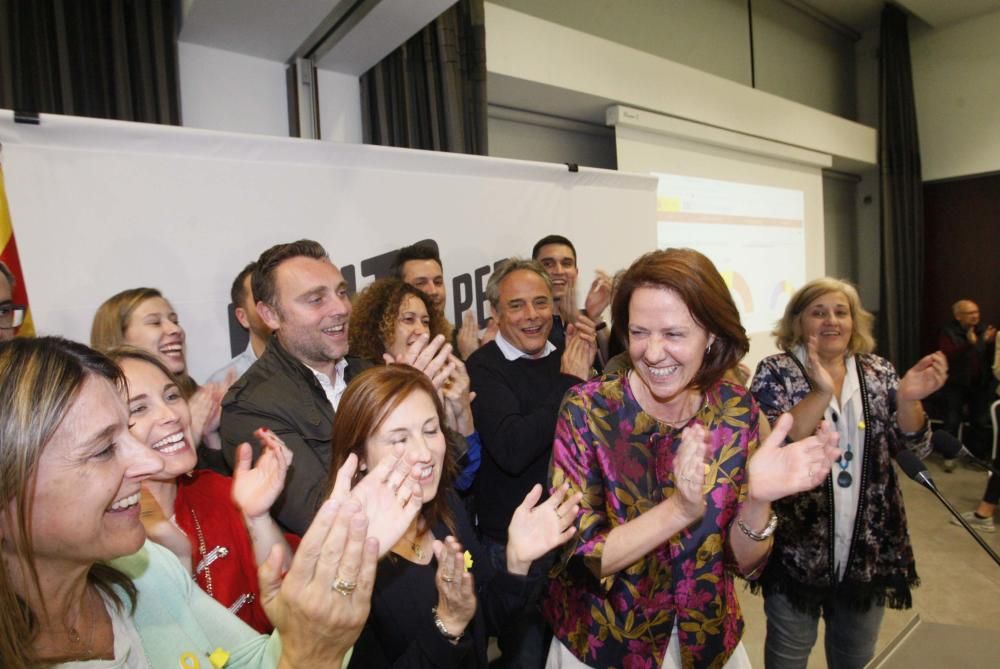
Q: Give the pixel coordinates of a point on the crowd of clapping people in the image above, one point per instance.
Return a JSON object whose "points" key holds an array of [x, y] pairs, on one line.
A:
{"points": [[369, 485]]}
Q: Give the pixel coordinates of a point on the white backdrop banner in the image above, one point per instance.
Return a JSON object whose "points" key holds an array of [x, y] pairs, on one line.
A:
{"points": [[101, 206]]}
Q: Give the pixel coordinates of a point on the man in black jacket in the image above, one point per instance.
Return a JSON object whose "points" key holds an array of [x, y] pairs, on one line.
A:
{"points": [[519, 379], [294, 387]]}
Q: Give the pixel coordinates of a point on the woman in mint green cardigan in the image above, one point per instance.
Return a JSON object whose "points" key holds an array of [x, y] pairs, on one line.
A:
{"points": [[80, 583]]}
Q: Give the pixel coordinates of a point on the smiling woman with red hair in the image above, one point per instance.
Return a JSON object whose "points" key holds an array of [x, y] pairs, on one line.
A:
{"points": [[674, 505]]}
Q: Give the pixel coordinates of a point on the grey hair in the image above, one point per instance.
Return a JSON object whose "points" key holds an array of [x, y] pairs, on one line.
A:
{"points": [[507, 268]]}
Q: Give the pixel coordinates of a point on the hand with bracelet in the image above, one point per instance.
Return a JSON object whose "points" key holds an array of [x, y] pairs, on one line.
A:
{"points": [[777, 470], [456, 592]]}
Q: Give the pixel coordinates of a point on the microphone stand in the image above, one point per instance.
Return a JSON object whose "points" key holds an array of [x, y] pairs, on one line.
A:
{"points": [[926, 481]]}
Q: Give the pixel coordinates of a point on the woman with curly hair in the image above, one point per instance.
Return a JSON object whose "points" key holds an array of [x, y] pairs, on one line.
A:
{"points": [[387, 318]]}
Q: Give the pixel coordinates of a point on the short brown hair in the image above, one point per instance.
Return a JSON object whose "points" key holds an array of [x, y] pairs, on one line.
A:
{"points": [[262, 282], [698, 283], [369, 399], [788, 331], [373, 317]]}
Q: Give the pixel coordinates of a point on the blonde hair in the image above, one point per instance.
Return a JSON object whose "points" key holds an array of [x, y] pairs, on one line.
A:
{"points": [[40, 380], [112, 317], [107, 332], [788, 331]]}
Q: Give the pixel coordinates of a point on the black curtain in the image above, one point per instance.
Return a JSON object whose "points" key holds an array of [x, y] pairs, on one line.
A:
{"points": [[901, 189], [102, 58], [430, 93]]}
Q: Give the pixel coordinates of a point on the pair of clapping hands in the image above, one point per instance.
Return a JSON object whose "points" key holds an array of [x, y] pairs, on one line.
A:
{"points": [[320, 604], [775, 470], [434, 357]]}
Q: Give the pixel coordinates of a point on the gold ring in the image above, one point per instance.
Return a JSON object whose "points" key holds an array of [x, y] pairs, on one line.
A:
{"points": [[447, 579], [344, 587]]}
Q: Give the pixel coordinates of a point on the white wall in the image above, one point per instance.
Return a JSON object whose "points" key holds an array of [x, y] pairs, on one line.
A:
{"points": [[527, 136], [223, 90], [339, 106], [956, 81]]}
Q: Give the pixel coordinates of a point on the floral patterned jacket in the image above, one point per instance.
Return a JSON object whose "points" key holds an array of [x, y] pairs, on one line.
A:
{"points": [[880, 566], [621, 458]]}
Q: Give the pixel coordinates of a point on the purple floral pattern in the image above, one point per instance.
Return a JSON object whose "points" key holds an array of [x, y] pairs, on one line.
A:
{"points": [[621, 458]]}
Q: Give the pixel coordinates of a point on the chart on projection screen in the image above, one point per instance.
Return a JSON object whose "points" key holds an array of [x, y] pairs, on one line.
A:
{"points": [[754, 234]]}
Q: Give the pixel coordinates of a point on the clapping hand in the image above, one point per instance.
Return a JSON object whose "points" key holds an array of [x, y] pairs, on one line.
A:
{"points": [[925, 377], [820, 378], [431, 356], [689, 472], [456, 594], [468, 335], [535, 530], [457, 399], [599, 296], [206, 412], [390, 494], [776, 471], [320, 606], [256, 488]]}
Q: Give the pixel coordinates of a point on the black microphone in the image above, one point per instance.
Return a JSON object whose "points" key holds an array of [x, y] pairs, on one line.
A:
{"points": [[914, 468], [949, 446]]}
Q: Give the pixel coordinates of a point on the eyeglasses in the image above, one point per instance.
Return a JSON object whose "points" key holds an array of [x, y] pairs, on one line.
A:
{"points": [[11, 316]]}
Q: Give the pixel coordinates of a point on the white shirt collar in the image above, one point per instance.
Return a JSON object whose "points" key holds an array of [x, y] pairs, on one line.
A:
{"points": [[333, 389], [512, 353]]}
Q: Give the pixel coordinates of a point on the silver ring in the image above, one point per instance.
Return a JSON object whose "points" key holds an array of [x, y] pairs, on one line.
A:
{"points": [[811, 473], [344, 587]]}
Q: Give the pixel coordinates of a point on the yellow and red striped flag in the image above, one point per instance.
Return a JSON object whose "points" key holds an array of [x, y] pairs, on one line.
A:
{"points": [[8, 254]]}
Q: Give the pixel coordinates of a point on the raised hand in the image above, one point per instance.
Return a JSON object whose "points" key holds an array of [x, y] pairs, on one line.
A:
{"points": [[777, 471], [578, 356], [468, 336], [456, 594], [490, 333], [206, 412], [256, 488], [599, 296], [457, 399], [390, 494], [925, 377], [689, 472], [431, 356], [321, 604], [821, 379], [535, 530]]}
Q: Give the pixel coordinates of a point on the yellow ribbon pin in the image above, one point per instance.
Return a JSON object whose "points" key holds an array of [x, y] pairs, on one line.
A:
{"points": [[189, 661]]}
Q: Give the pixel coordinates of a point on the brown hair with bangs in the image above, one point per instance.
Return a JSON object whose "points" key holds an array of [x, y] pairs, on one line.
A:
{"points": [[369, 399], [698, 283]]}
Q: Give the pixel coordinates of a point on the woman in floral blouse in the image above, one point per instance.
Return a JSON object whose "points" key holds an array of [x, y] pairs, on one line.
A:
{"points": [[841, 550], [672, 506]]}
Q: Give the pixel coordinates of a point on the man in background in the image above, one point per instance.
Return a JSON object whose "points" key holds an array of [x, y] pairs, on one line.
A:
{"points": [[419, 265], [969, 346], [241, 294]]}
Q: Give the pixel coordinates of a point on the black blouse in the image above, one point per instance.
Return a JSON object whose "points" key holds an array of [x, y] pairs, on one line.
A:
{"points": [[400, 631]]}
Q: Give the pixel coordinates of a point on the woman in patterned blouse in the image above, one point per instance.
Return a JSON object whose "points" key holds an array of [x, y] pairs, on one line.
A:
{"points": [[842, 550], [661, 454]]}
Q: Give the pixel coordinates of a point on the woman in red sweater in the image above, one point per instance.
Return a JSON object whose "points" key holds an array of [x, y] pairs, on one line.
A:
{"points": [[219, 527]]}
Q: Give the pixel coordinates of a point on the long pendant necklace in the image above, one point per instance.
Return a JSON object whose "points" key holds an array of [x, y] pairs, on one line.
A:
{"points": [[844, 478]]}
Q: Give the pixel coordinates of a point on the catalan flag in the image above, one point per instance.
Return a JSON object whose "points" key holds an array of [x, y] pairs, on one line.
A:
{"points": [[8, 254]]}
